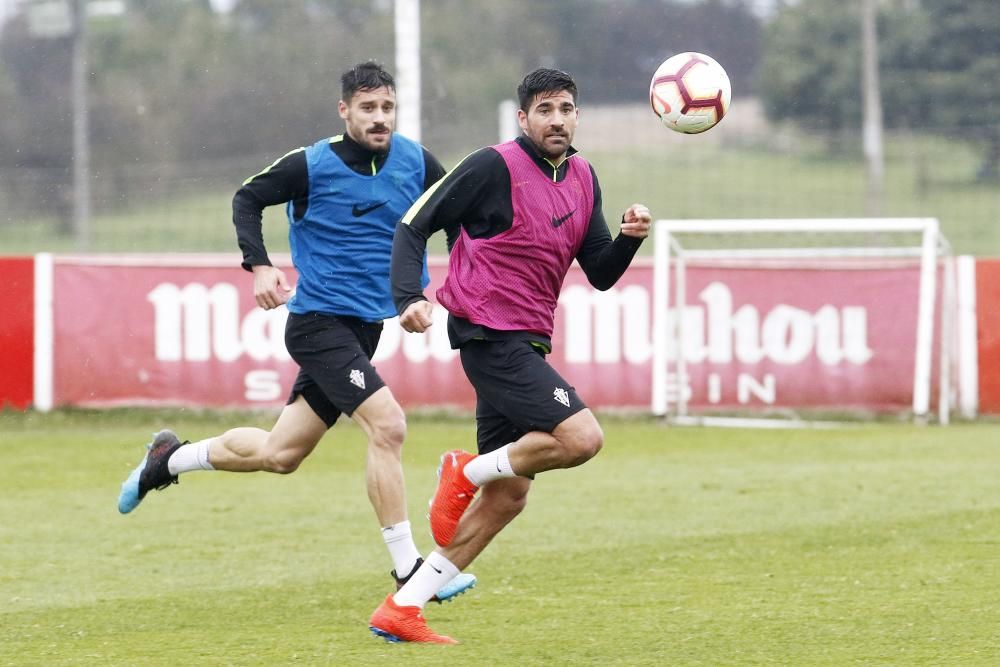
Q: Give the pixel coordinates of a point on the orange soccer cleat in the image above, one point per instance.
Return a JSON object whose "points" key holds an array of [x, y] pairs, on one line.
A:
{"points": [[403, 624], [453, 496]]}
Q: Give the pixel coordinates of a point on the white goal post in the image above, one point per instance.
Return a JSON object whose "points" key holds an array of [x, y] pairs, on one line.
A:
{"points": [[812, 245]]}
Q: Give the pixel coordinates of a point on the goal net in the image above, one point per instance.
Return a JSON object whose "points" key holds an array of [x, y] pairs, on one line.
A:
{"points": [[766, 322]]}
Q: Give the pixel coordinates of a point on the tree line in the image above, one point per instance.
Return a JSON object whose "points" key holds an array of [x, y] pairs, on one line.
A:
{"points": [[172, 82], [939, 63]]}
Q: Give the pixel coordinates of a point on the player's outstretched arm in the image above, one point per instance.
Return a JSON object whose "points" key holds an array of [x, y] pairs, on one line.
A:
{"points": [[603, 260]]}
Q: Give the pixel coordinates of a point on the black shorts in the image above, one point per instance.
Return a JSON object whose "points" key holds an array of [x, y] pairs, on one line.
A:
{"points": [[334, 356], [517, 391]]}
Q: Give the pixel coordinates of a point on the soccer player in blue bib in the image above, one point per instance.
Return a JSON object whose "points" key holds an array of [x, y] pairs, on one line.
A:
{"points": [[344, 196]]}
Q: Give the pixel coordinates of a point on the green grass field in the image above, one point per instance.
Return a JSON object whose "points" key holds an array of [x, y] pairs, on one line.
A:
{"points": [[874, 545]]}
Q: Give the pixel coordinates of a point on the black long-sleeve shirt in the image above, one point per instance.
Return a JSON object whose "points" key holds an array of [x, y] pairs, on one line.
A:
{"points": [[287, 180], [476, 197]]}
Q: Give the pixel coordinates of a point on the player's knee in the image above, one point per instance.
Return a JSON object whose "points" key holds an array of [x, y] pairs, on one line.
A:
{"points": [[509, 506], [584, 445], [390, 432], [517, 505], [283, 462], [282, 457]]}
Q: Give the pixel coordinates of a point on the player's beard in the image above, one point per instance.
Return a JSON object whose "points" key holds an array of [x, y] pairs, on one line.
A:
{"points": [[372, 140], [554, 151]]}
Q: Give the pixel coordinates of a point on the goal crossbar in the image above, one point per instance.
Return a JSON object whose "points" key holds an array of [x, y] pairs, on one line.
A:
{"points": [[837, 225]]}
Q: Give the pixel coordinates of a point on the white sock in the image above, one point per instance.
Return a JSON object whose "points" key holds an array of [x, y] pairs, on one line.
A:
{"points": [[490, 466], [428, 580], [192, 456], [403, 551]]}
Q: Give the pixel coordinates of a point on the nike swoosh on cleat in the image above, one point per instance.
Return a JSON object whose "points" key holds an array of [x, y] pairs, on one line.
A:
{"points": [[358, 211], [556, 222]]}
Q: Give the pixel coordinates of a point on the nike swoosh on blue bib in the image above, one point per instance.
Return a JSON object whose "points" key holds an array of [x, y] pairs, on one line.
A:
{"points": [[357, 211]]}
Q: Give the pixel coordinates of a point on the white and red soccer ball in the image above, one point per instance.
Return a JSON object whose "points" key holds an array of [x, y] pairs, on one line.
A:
{"points": [[690, 92]]}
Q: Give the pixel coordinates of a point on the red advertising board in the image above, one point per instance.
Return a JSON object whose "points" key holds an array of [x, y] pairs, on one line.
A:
{"points": [[185, 331], [840, 336], [17, 318], [988, 326]]}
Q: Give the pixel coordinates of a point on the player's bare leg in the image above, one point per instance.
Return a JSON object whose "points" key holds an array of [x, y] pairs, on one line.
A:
{"points": [[504, 476], [383, 421], [498, 503], [574, 441], [279, 450], [505, 482], [399, 617]]}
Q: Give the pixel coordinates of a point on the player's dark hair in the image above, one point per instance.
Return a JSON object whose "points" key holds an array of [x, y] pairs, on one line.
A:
{"points": [[364, 76], [544, 80]]}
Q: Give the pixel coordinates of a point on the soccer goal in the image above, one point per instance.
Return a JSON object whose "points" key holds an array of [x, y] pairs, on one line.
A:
{"points": [[766, 322]]}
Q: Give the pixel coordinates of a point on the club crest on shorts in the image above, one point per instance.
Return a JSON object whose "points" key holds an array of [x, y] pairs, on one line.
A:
{"points": [[561, 395], [358, 379]]}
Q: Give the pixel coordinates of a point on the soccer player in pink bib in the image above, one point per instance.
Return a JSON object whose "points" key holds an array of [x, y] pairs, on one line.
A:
{"points": [[516, 216]]}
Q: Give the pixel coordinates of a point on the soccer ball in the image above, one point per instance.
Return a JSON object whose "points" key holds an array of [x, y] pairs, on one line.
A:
{"points": [[690, 92]]}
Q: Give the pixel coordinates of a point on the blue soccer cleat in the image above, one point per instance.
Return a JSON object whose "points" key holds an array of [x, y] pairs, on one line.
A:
{"points": [[449, 591], [151, 473], [455, 587]]}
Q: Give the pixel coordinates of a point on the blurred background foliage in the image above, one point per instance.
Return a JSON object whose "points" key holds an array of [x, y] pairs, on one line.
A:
{"points": [[187, 101]]}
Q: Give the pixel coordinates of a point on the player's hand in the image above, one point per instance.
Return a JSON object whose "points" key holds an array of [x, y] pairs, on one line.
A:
{"points": [[417, 317], [270, 287], [636, 221]]}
